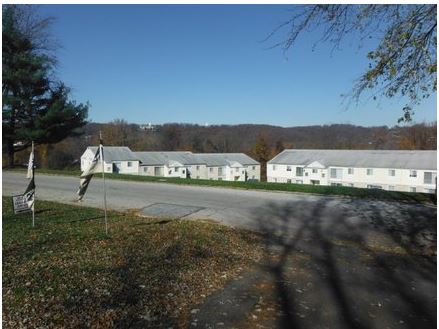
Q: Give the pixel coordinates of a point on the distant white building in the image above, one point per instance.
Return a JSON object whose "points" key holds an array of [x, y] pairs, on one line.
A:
{"points": [[230, 166], [170, 164], [214, 166], [408, 171], [117, 159]]}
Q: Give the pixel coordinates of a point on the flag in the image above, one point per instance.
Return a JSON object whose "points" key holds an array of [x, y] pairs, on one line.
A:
{"points": [[29, 194], [90, 171], [30, 166]]}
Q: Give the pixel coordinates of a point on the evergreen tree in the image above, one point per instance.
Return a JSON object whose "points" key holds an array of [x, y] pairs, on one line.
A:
{"points": [[35, 106]]}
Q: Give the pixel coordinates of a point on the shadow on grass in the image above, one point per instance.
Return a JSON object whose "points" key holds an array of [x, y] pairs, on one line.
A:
{"points": [[366, 265]]}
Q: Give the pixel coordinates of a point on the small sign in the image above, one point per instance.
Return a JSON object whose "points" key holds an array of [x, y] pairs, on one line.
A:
{"points": [[20, 203]]}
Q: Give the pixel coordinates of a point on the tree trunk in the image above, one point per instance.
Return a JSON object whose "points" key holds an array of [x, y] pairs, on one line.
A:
{"points": [[11, 153]]}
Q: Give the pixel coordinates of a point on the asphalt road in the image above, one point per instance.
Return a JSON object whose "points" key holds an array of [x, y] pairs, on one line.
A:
{"points": [[242, 208]]}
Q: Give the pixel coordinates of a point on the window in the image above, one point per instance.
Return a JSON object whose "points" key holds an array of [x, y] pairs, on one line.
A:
{"points": [[254, 168], [391, 188], [288, 180], [145, 169], [220, 171], [314, 171], [350, 171], [336, 173], [298, 181], [275, 180], [369, 172], [183, 171], [176, 169], [323, 175], [237, 170], [198, 167], [413, 173], [299, 171], [288, 168], [274, 167], [129, 164], [428, 177], [377, 187], [391, 172], [210, 169], [412, 189]]}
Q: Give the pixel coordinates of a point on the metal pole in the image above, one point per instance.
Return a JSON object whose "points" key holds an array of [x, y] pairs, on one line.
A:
{"points": [[35, 190], [103, 177]]}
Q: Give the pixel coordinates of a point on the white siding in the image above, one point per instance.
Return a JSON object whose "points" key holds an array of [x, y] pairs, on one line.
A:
{"points": [[401, 181]]}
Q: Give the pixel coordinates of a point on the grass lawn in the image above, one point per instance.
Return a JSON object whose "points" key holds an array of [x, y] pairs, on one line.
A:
{"points": [[66, 272], [302, 188]]}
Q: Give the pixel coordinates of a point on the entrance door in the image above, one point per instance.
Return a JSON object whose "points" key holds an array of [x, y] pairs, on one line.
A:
{"points": [[116, 167], [158, 171]]}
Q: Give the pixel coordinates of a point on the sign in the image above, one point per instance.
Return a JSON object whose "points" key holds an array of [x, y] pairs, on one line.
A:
{"points": [[20, 203]]}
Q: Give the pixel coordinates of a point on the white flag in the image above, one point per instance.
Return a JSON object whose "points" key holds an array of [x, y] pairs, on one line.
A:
{"points": [[29, 194], [30, 165], [88, 173]]}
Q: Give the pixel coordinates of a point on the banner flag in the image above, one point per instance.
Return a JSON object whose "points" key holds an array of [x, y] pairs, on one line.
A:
{"points": [[90, 171], [29, 194], [30, 165]]}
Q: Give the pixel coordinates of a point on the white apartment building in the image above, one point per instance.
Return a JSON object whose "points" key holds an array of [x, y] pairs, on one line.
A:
{"points": [[407, 171], [215, 166], [117, 159], [230, 166], [170, 164]]}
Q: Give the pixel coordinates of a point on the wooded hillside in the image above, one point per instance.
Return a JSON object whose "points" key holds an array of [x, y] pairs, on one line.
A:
{"points": [[259, 141]]}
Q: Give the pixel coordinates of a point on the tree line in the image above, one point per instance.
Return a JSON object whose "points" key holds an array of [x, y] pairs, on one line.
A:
{"points": [[262, 142]]}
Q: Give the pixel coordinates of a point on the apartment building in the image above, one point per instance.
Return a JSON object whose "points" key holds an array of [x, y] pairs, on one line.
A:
{"points": [[393, 170]]}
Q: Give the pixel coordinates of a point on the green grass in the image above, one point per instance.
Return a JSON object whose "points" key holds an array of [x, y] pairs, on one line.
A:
{"points": [[301, 188], [66, 272]]}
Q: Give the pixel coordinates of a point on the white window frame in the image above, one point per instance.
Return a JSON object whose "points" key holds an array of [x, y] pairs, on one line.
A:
{"points": [[350, 171], [288, 168], [392, 172], [129, 164], [413, 173], [369, 172]]}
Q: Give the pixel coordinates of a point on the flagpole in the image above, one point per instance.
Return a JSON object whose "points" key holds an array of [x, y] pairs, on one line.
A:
{"points": [[103, 177], [35, 190]]}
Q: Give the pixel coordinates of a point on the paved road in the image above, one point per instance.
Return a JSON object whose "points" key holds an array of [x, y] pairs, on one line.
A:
{"points": [[243, 208]]}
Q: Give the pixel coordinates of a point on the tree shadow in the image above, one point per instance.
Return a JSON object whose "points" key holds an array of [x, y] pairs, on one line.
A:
{"points": [[351, 263]]}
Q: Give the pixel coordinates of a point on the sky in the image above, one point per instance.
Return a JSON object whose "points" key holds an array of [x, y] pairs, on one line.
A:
{"points": [[210, 64]]}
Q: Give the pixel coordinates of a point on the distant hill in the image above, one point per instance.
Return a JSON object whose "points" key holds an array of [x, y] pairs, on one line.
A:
{"points": [[237, 138]]}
